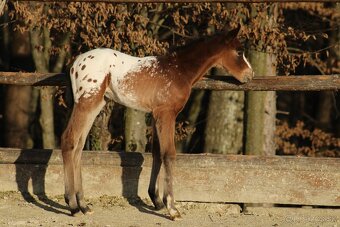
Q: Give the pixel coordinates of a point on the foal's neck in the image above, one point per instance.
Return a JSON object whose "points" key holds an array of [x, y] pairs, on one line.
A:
{"points": [[197, 58]]}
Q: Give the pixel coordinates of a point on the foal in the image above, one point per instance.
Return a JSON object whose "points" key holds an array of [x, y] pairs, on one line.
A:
{"points": [[160, 85]]}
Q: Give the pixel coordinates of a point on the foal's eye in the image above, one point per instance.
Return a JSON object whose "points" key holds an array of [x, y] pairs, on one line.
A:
{"points": [[239, 52]]}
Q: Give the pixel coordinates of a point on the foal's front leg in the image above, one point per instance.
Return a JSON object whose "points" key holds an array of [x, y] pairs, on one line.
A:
{"points": [[165, 124], [156, 167]]}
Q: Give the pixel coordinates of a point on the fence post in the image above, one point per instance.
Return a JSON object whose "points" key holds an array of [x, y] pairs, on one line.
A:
{"points": [[261, 105]]}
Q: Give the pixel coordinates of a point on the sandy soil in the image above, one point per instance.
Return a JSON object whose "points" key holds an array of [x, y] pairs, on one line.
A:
{"points": [[117, 211]]}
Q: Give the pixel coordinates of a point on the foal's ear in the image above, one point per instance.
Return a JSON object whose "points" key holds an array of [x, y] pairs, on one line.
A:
{"points": [[231, 35]]}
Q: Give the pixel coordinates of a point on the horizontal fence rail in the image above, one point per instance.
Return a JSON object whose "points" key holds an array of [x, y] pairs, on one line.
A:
{"points": [[269, 83], [34, 79], [273, 83], [179, 1], [213, 178]]}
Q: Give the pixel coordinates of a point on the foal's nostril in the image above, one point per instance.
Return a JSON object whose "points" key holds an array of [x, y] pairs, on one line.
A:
{"points": [[249, 76], [246, 76]]}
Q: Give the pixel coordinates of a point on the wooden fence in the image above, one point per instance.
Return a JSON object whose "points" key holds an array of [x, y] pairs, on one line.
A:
{"points": [[180, 1], [200, 177], [213, 178]]}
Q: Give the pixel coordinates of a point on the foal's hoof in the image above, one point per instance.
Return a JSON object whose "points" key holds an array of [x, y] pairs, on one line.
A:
{"points": [[79, 212], [86, 210], [75, 212], [158, 203], [175, 215], [159, 206]]}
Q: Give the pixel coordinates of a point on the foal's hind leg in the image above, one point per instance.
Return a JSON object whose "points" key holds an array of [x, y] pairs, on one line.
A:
{"points": [[73, 140]]}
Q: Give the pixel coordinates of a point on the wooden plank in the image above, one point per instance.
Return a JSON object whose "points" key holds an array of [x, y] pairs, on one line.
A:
{"points": [[204, 177], [180, 1], [34, 79], [283, 83], [275, 83]]}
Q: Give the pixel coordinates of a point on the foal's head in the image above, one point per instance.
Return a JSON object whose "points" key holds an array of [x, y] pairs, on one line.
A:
{"points": [[233, 59]]}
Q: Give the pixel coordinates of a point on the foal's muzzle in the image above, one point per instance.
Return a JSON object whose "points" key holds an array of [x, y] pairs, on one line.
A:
{"points": [[247, 76]]}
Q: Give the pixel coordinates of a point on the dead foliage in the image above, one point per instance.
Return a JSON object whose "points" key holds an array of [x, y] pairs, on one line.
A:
{"points": [[145, 29], [300, 141], [183, 130]]}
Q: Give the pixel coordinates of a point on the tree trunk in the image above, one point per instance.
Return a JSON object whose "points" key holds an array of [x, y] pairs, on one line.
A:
{"points": [[195, 107], [17, 117], [325, 109], [135, 130], [337, 121], [5, 36], [41, 44], [224, 128], [17, 99], [297, 107], [100, 137], [47, 117], [261, 105], [41, 38], [336, 39], [326, 104], [2, 7], [261, 110]]}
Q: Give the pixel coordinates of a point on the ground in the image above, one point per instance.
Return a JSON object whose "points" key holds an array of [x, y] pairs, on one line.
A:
{"points": [[15, 210]]}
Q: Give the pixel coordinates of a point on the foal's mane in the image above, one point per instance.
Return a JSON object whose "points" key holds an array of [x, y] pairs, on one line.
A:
{"points": [[192, 43]]}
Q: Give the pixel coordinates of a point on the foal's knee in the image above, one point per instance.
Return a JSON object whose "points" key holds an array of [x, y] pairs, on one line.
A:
{"points": [[169, 159], [67, 142]]}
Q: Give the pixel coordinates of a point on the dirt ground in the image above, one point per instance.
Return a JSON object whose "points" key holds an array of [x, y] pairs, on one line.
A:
{"points": [[15, 210]]}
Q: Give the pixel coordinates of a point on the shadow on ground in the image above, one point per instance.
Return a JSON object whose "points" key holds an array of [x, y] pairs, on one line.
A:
{"points": [[31, 167], [132, 165]]}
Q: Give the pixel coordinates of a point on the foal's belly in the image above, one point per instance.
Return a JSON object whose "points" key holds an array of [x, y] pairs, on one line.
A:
{"points": [[128, 98], [142, 91], [135, 91]]}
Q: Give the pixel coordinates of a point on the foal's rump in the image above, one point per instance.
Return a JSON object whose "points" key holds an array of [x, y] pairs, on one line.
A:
{"points": [[88, 73]]}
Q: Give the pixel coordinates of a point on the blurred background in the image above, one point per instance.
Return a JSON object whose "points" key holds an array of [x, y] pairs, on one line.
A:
{"points": [[280, 39]]}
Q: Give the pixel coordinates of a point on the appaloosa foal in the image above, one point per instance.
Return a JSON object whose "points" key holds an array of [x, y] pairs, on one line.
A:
{"points": [[160, 85]]}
